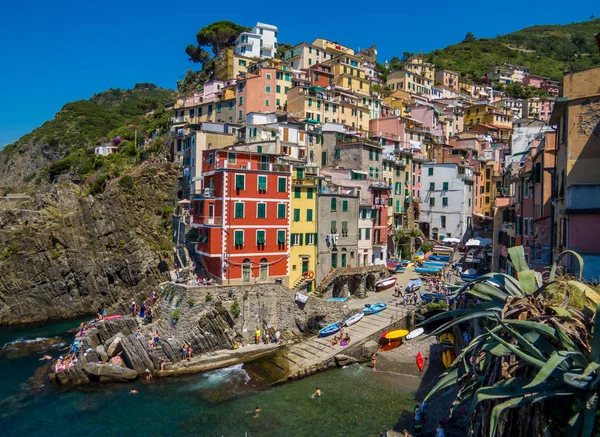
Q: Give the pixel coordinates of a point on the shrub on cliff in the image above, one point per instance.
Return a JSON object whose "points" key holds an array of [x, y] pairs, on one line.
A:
{"points": [[126, 182]]}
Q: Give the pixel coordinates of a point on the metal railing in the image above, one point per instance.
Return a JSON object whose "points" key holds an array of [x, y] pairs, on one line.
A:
{"points": [[209, 221]]}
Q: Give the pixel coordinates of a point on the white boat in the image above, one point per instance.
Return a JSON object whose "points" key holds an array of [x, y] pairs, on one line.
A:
{"points": [[355, 318], [386, 283], [415, 333]]}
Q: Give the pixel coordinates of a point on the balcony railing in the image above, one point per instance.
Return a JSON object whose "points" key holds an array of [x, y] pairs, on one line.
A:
{"points": [[248, 165], [208, 221]]}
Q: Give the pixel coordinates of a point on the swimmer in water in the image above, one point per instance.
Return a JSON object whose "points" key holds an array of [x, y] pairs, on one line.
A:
{"points": [[133, 391], [46, 357], [256, 412], [317, 393]]}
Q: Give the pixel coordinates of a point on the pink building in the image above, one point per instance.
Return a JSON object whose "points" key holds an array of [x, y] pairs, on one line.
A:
{"points": [[551, 87], [213, 88], [428, 115], [535, 81], [256, 92], [546, 106], [448, 79]]}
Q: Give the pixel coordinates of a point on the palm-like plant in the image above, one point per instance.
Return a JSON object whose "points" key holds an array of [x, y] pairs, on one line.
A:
{"points": [[533, 365]]}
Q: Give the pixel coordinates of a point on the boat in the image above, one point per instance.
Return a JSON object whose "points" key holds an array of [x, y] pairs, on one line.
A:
{"points": [[395, 335], [374, 309], [419, 255], [433, 297], [469, 275], [386, 283], [434, 264], [355, 318], [427, 270], [392, 264], [414, 285], [404, 262], [420, 361], [447, 342], [442, 249], [445, 258], [337, 299], [400, 269], [389, 345], [118, 316], [331, 329], [415, 333]]}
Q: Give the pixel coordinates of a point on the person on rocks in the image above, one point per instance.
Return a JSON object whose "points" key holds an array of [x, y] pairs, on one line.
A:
{"points": [[153, 296], [183, 352], [156, 338], [189, 353], [374, 360], [277, 336], [133, 391], [142, 309], [405, 433], [104, 313], [334, 341], [257, 336], [162, 364], [148, 375], [132, 308], [138, 333]]}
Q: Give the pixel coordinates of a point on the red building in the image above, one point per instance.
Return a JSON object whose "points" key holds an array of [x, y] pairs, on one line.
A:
{"points": [[379, 197], [320, 75], [242, 216]]}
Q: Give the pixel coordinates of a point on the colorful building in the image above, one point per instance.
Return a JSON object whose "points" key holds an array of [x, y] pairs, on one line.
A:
{"points": [[256, 92], [229, 65], [242, 217], [483, 113], [260, 42], [448, 79]]}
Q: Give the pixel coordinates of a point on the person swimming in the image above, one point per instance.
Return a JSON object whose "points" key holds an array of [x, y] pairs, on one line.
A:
{"points": [[133, 391], [256, 411], [46, 357], [317, 393]]}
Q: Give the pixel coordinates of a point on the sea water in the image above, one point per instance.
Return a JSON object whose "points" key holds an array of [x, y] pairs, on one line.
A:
{"points": [[356, 401]]}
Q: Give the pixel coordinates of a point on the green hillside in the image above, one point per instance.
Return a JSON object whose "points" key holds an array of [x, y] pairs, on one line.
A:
{"points": [[547, 50]]}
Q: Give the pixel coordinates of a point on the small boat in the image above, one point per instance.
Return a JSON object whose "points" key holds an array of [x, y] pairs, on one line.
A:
{"points": [[420, 361], [447, 342], [337, 299], [400, 269], [374, 309], [427, 270], [392, 264], [389, 345], [415, 333], [469, 275], [434, 264], [419, 255], [355, 318], [118, 316], [384, 284], [414, 285], [445, 258], [331, 329], [433, 297], [395, 335], [404, 262]]}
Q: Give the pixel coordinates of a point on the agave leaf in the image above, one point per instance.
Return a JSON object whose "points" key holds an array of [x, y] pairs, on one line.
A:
{"points": [[587, 291], [519, 353], [505, 282], [450, 324], [517, 257], [545, 330], [531, 348], [498, 350], [595, 354], [528, 281], [561, 312], [559, 257], [564, 339], [461, 312], [492, 291], [551, 368], [589, 415], [541, 289], [447, 381], [479, 295], [519, 402]]}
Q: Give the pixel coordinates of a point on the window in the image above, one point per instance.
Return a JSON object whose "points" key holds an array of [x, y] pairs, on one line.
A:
{"points": [[281, 237], [296, 215], [343, 259], [344, 205], [431, 201], [281, 207], [338, 153], [334, 260], [261, 238], [296, 239], [240, 181], [334, 203], [431, 186], [309, 193], [297, 192], [444, 201], [359, 233], [376, 156], [310, 238], [430, 171], [333, 227], [367, 233], [240, 114], [231, 158], [309, 215], [266, 103], [278, 88], [241, 101], [268, 89], [238, 238], [445, 186], [242, 63], [239, 210], [281, 185], [344, 229], [262, 184], [370, 154], [261, 210]]}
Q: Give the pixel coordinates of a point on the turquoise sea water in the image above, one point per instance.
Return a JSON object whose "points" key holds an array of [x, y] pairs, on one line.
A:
{"points": [[356, 402]]}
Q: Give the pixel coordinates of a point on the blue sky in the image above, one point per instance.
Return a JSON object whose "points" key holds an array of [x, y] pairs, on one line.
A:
{"points": [[55, 52]]}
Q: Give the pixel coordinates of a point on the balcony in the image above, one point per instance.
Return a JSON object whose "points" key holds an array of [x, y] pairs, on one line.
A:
{"points": [[181, 119], [307, 181], [379, 244], [208, 221], [248, 165], [380, 184]]}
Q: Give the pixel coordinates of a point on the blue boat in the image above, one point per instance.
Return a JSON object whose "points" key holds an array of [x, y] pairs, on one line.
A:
{"points": [[337, 299], [427, 270], [434, 264], [439, 258], [404, 262], [400, 269], [433, 297], [331, 329], [374, 309], [414, 285], [468, 277]]}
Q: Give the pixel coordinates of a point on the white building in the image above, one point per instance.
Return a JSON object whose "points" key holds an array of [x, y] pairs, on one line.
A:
{"points": [[446, 209], [260, 42], [106, 149]]}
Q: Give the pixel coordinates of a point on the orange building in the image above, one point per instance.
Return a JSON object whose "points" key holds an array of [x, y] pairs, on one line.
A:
{"points": [[242, 216], [256, 92]]}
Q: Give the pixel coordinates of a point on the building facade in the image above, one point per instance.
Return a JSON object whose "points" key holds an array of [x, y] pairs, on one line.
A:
{"points": [[260, 42]]}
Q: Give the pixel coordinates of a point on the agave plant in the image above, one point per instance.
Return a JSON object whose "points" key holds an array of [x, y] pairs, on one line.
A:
{"points": [[532, 368]]}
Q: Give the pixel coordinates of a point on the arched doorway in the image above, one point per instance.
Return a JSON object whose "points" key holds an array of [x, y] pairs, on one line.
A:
{"points": [[435, 233], [344, 259], [370, 282], [246, 271], [264, 270]]}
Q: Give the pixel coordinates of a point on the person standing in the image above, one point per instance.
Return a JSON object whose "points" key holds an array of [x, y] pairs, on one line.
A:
{"points": [[257, 336], [374, 360]]}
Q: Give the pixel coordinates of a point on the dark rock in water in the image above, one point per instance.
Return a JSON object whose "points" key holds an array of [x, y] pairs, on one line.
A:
{"points": [[301, 325], [109, 372], [22, 348], [40, 378], [344, 360]]}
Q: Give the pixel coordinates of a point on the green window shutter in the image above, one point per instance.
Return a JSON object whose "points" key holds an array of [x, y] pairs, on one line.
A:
{"points": [[281, 210], [445, 187], [431, 201], [444, 201], [367, 233], [333, 227], [337, 153], [297, 191], [262, 210], [333, 203], [309, 215], [296, 215], [397, 206], [344, 227], [281, 185], [370, 155], [260, 237], [300, 242], [238, 238], [432, 186], [231, 158], [280, 237], [309, 193], [364, 214], [376, 156], [262, 183], [300, 173], [344, 205], [239, 210], [239, 181], [259, 149], [359, 233], [316, 238], [430, 171], [307, 238], [278, 88]]}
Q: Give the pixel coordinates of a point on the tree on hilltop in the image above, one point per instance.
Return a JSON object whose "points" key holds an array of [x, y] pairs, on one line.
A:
{"points": [[469, 37], [218, 36]]}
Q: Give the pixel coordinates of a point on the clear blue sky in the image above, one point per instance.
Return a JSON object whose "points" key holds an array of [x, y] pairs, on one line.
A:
{"points": [[52, 53]]}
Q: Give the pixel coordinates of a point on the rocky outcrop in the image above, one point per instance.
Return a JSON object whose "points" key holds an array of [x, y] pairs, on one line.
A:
{"points": [[65, 253]]}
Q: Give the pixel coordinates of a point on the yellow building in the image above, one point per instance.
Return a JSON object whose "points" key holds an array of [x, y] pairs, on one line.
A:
{"points": [[487, 114], [416, 65], [349, 73], [229, 65], [399, 100], [333, 47], [410, 82], [303, 229], [466, 87]]}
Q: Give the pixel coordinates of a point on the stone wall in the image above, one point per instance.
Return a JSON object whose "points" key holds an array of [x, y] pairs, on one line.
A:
{"points": [[352, 281]]}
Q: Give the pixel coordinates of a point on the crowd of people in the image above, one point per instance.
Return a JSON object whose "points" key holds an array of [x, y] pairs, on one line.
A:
{"points": [[343, 339]]}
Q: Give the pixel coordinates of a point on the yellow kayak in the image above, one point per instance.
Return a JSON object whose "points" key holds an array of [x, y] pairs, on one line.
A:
{"points": [[447, 342], [394, 335]]}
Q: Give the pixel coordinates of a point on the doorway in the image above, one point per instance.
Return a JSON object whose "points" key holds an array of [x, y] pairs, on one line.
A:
{"points": [[264, 270], [246, 271]]}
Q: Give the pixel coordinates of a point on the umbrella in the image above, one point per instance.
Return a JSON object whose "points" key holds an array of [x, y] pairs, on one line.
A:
{"points": [[183, 202], [451, 240], [473, 242]]}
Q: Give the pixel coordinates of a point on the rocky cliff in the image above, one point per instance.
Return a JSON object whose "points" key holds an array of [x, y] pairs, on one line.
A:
{"points": [[64, 253]]}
